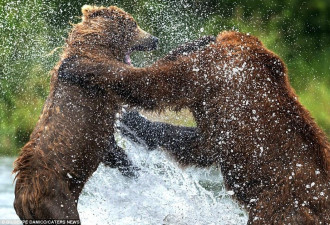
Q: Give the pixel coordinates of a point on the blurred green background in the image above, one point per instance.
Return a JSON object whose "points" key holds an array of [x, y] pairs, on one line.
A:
{"points": [[298, 31]]}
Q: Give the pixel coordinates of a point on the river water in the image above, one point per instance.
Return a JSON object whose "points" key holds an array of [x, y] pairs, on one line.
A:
{"points": [[162, 194]]}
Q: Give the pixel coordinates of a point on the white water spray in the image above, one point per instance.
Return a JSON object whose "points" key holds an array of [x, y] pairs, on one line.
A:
{"points": [[162, 194]]}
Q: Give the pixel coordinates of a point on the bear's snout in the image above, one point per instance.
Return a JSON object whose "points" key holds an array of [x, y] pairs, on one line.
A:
{"points": [[147, 44]]}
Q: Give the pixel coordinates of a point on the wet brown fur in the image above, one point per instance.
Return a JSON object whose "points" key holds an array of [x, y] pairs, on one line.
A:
{"points": [[75, 130], [271, 153]]}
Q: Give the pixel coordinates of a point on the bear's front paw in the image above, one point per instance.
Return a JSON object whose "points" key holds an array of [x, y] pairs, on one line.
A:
{"points": [[138, 129], [189, 47]]}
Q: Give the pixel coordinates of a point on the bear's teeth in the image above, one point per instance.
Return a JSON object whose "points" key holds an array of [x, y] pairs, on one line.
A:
{"points": [[127, 59]]}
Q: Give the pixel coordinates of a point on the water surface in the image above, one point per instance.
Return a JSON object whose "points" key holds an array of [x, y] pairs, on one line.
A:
{"points": [[163, 194]]}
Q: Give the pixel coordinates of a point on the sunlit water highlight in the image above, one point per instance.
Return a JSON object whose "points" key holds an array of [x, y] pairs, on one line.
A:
{"points": [[162, 194]]}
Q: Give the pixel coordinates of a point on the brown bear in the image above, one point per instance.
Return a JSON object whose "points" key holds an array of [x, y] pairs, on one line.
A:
{"points": [[74, 133], [273, 157]]}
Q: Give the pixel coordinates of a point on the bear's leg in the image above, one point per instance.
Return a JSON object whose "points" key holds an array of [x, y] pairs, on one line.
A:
{"points": [[54, 201], [115, 157], [62, 208], [285, 211], [181, 142], [156, 134]]}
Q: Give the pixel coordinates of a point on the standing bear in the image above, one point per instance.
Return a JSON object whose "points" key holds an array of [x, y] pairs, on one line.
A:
{"points": [[74, 133], [249, 123], [75, 130]]}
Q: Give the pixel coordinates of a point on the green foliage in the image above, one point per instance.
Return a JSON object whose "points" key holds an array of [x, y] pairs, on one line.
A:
{"points": [[298, 31], [316, 99]]}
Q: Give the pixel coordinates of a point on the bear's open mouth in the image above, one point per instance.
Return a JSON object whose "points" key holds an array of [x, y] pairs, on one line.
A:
{"points": [[148, 44]]}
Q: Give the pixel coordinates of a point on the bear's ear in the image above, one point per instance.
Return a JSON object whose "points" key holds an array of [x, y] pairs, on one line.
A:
{"points": [[274, 64], [115, 8], [278, 67], [90, 11], [87, 10]]}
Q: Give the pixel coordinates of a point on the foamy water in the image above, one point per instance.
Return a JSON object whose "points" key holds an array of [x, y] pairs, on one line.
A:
{"points": [[162, 194]]}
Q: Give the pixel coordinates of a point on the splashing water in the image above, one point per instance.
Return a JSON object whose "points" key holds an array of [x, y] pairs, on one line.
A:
{"points": [[162, 194]]}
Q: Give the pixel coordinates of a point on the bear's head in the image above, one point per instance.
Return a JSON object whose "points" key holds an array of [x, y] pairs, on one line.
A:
{"points": [[110, 30], [252, 50]]}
